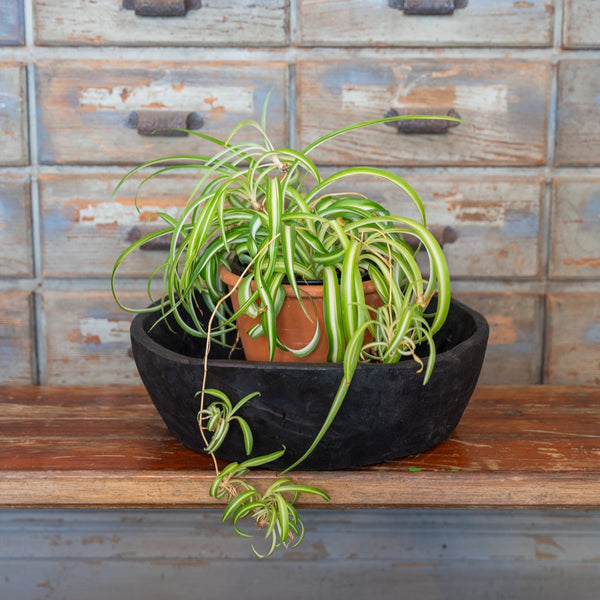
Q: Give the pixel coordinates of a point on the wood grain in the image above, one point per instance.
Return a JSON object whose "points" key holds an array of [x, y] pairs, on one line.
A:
{"points": [[528, 446], [13, 115], [581, 24]]}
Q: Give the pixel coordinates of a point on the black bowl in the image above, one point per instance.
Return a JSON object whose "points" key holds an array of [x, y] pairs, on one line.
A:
{"points": [[388, 413]]}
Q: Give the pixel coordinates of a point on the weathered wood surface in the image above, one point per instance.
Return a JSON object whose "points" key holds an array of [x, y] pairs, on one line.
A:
{"points": [[514, 351], [581, 24], [13, 115], [516, 447], [578, 115], [15, 229], [506, 101], [86, 107], [575, 228], [573, 338], [85, 227], [11, 23], [87, 337], [481, 23], [232, 23], [16, 338]]}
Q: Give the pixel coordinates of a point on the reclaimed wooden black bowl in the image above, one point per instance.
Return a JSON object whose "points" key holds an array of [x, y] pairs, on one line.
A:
{"points": [[388, 413]]}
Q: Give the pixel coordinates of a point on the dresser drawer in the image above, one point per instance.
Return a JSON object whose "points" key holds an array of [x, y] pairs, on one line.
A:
{"points": [[490, 224], [232, 23], [85, 230], [578, 121], [506, 100], [13, 115], [479, 23], [576, 228], [11, 23], [16, 335], [15, 217], [87, 338], [514, 351], [574, 339], [581, 24], [103, 112]]}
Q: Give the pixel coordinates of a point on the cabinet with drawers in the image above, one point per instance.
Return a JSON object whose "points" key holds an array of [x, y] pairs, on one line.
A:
{"points": [[89, 89]]}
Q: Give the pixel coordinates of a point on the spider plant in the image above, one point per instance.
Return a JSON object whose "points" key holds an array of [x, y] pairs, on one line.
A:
{"points": [[285, 224]]}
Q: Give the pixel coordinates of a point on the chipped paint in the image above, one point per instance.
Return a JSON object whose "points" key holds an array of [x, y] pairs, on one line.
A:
{"points": [[115, 213], [98, 331], [169, 95], [482, 98]]}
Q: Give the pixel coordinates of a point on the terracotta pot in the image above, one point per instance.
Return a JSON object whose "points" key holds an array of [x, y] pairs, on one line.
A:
{"points": [[294, 327]]}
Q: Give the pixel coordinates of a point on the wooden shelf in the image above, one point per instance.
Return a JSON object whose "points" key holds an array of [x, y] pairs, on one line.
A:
{"points": [[106, 447]]}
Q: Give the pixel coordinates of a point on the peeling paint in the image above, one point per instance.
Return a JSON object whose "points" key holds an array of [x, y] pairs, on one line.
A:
{"points": [[104, 331]]}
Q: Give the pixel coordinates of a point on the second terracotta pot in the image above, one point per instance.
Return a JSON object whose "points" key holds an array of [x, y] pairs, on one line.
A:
{"points": [[294, 328]]}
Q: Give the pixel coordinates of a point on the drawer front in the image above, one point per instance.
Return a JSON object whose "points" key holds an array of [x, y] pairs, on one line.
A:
{"points": [[13, 115], [84, 229], [16, 335], [514, 352], [11, 23], [87, 338], [232, 23], [574, 339], [480, 23], [100, 112], [15, 216], [581, 24], [578, 121], [506, 100], [576, 228], [490, 226]]}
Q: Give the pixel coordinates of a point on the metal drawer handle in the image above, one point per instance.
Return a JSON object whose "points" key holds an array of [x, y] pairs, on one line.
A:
{"points": [[164, 123], [161, 8], [422, 125], [428, 7], [442, 233]]}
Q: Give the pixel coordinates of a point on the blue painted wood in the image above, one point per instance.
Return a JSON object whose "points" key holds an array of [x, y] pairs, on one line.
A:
{"points": [[11, 23]]}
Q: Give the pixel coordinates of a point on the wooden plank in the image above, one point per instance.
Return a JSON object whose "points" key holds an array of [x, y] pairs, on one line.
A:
{"points": [[581, 24], [514, 351], [87, 337], [15, 218], [550, 458], [11, 23], [494, 220], [575, 233], [13, 117], [232, 23], [578, 116], [87, 108], [482, 23], [16, 338], [573, 338], [85, 227], [506, 100]]}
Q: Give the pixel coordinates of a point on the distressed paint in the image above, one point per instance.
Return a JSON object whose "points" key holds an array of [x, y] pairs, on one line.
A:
{"points": [[85, 228], [349, 554], [15, 230], [16, 341], [11, 23], [576, 228], [13, 115], [573, 341], [581, 24], [87, 337], [514, 353], [578, 116], [232, 23], [495, 219], [85, 106], [374, 23], [506, 101]]}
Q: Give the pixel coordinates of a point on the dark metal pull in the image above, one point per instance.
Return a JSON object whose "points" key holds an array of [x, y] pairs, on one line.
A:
{"points": [[442, 233], [422, 125], [164, 123], [161, 8], [428, 7]]}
